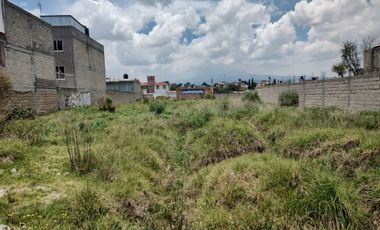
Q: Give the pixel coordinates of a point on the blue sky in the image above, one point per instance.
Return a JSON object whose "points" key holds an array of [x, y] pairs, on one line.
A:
{"points": [[179, 40]]}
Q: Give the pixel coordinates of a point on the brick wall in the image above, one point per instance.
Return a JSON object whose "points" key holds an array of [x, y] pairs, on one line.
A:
{"points": [[122, 97], [355, 94]]}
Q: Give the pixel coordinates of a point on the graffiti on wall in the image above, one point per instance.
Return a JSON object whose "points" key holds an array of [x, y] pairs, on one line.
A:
{"points": [[78, 99]]}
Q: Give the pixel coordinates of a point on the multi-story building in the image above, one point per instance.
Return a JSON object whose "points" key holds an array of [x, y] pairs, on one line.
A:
{"points": [[79, 59], [26, 55], [50, 63]]}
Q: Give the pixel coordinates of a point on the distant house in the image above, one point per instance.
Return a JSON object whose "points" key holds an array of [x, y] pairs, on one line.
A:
{"points": [[124, 85], [155, 89], [197, 92]]}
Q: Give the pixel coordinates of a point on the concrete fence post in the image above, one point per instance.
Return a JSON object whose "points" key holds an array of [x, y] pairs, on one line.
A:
{"points": [[323, 92], [349, 93], [304, 93]]}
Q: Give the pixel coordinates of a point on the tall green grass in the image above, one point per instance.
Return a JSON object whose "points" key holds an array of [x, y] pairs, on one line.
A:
{"points": [[200, 164]]}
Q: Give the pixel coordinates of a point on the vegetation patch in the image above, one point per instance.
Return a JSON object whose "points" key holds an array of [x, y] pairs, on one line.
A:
{"points": [[222, 139], [194, 166], [289, 98]]}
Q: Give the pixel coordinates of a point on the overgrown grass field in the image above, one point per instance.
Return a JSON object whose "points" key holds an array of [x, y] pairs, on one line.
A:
{"points": [[195, 164]]}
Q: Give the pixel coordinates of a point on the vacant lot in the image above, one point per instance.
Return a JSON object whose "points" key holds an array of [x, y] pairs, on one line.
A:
{"points": [[198, 164]]}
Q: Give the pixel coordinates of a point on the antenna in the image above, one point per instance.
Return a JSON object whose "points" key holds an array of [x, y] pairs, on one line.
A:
{"points": [[39, 4]]}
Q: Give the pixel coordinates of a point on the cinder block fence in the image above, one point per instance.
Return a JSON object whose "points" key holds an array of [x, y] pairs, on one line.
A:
{"points": [[355, 94]]}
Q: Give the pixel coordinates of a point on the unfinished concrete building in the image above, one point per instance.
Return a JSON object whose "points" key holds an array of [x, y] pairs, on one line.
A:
{"points": [[26, 52], [79, 59], [372, 59]]}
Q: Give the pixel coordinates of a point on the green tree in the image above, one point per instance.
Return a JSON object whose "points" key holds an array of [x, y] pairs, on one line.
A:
{"points": [[350, 57], [339, 68]]}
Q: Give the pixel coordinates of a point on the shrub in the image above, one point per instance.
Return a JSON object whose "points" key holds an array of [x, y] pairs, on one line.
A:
{"points": [[86, 206], [163, 98], [367, 120], [252, 96], [224, 105], [21, 113], [208, 96], [157, 107], [78, 142], [192, 119], [289, 98], [105, 104]]}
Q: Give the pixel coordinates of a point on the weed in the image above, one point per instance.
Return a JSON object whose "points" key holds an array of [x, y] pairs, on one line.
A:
{"points": [[86, 206], [78, 143], [289, 98], [157, 107], [105, 104], [252, 96]]}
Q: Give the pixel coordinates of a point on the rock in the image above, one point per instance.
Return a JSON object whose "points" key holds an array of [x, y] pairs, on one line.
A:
{"points": [[3, 192], [4, 227], [58, 174], [14, 171]]}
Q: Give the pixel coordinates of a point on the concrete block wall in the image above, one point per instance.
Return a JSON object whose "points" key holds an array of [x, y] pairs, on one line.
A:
{"points": [[46, 100], [28, 52], [42, 100], [357, 93], [89, 65], [122, 97]]}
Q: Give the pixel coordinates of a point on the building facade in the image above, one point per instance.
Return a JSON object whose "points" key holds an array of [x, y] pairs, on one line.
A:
{"points": [[27, 58], [372, 59], [156, 89], [191, 93], [124, 85], [79, 59]]}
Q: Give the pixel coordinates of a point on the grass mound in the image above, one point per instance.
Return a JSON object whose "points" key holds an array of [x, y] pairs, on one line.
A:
{"points": [[276, 193], [222, 139]]}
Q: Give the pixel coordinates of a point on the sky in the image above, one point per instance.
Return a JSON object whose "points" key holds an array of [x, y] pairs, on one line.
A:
{"points": [[200, 40]]}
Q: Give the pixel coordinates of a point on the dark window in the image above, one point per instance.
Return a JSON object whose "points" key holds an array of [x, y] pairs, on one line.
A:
{"points": [[60, 72], [157, 87], [58, 45], [164, 86]]}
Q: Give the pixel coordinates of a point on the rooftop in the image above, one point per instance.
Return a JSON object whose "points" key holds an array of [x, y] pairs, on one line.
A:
{"points": [[65, 20]]}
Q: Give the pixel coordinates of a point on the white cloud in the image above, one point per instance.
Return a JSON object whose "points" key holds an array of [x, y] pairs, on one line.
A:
{"points": [[237, 35]]}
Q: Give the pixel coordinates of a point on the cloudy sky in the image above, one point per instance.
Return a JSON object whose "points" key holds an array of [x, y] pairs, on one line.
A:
{"points": [[178, 40]]}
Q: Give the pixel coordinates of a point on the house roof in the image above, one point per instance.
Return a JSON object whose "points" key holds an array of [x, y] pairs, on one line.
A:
{"points": [[161, 83]]}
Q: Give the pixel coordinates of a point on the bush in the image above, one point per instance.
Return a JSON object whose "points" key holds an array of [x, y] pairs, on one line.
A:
{"points": [[21, 113], [163, 98], [78, 143], [368, 120], [208, 96], [105, 104], [289, 98], [87, 206], [252, 96], [192, 119], [157, 107], [224, 106]]}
